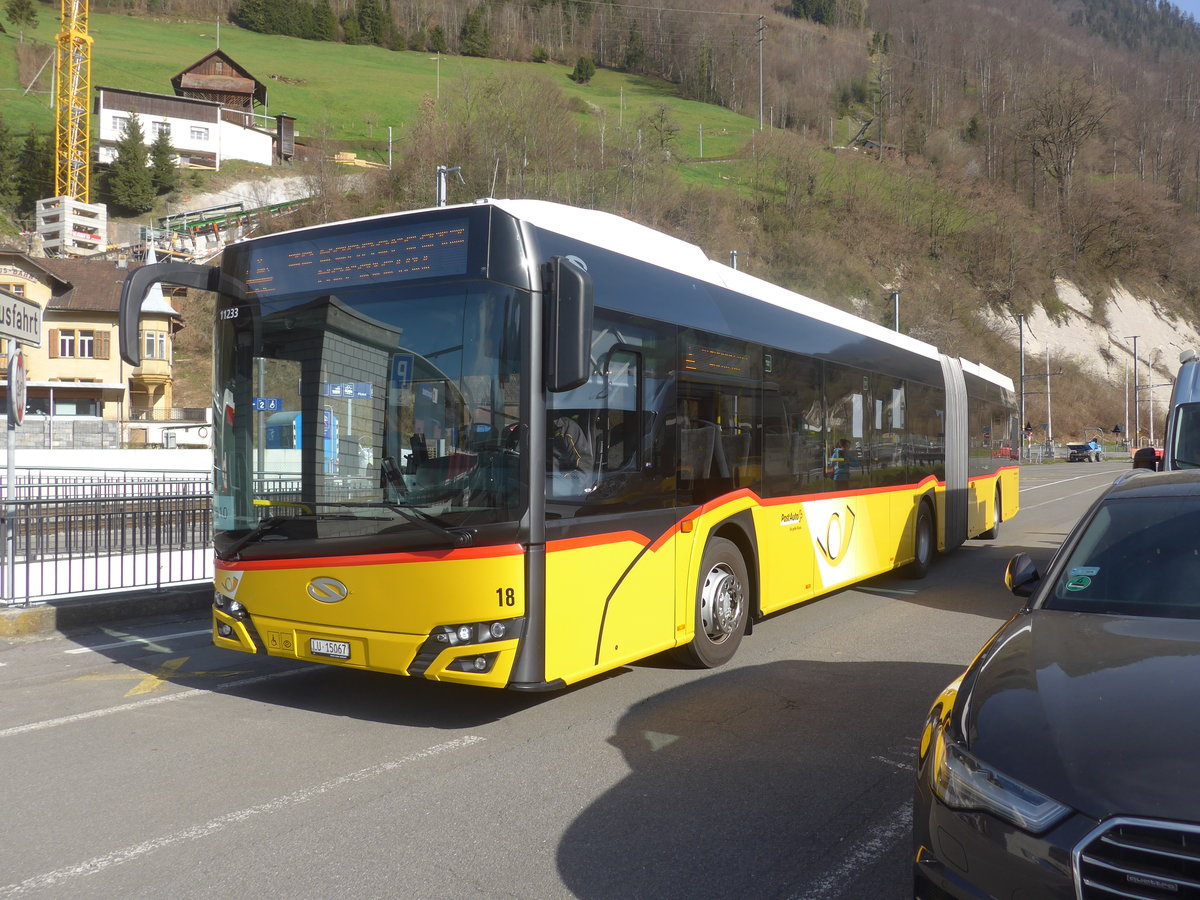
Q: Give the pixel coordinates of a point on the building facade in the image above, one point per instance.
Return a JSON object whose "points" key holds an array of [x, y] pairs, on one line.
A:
{"points": [[203, 134], [77, 372]]}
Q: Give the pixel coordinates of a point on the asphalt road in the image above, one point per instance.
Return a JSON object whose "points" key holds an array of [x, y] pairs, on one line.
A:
{"points": [[142, 762]]}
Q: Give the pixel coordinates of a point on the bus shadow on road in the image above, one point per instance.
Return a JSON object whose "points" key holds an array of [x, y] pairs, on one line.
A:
{"points": [[393, 699], [761, 782]]}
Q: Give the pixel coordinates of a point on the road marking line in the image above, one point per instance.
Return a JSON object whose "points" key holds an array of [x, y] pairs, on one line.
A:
{"points": [[832, 882], [148, 642], [1058, 500], [150, 701], [1036, 487], [196, 832], [150, 682], [906, 766]]}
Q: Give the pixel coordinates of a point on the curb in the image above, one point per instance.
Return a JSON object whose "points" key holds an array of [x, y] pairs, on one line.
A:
{"points": [[61, 616]]}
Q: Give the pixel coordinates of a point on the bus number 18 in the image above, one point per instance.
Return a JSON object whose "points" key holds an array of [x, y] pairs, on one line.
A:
{"points": [[506, 596]]}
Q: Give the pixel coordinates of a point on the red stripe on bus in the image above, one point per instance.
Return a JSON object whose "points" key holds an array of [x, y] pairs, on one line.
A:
{"points": [[596, 540]]}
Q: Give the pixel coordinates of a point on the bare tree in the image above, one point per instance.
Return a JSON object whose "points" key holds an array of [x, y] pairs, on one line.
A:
{"points": [[1056, 124]]}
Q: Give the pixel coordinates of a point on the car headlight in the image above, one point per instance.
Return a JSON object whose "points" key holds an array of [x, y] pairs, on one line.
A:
{"points": [[963, 781]]}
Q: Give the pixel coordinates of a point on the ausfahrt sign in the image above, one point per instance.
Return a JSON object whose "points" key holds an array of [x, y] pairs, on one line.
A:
{"points": [[20, 320]]}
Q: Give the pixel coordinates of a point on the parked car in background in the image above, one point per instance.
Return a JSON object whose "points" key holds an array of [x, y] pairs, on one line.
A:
{"points": [[1091, 452], [1063, 762]]}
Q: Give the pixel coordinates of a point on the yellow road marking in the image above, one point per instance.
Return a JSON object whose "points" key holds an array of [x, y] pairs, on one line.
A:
{"points": [[158, 679]]}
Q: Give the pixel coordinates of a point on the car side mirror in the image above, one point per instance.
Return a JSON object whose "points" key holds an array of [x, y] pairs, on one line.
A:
{"points": [[1146, 458], [1021, 576]]}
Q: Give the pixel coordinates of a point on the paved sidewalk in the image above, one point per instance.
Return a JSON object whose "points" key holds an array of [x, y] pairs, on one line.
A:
{"points": [[64, 615]]}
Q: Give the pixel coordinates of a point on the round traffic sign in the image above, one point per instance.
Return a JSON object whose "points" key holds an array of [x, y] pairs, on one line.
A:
{"points": [[16, 387]]}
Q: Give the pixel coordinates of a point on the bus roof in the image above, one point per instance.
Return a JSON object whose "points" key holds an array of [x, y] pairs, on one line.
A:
{"points": [[619, 235], [612, 232]]}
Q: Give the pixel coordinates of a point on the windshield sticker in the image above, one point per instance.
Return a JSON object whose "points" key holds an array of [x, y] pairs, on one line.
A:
{"points": [[1084, 570], [1079, 583]]}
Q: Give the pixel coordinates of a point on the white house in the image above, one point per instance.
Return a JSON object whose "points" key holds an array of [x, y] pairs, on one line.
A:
{"points": [[203, 132]]}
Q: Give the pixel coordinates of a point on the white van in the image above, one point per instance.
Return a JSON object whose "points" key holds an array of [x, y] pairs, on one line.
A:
{"points": [[1181, 447]]}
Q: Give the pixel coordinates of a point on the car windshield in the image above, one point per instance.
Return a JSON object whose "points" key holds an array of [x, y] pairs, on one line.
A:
{"points": [[1138, 556]]}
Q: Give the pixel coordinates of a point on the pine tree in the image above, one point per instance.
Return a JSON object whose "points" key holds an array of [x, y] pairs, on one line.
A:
{"points": [[9, 161], [370, 22], [324, 22], [35, 172], [583, 71], [635, 50], [474, 38], [22, 14], [164, 173], [130, 180]]}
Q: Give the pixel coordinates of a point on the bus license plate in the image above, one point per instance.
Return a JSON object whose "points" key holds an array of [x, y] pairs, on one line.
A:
{"points": [[336, 649]]}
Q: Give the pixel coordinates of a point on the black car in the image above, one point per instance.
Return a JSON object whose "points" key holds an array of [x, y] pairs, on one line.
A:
{"points": [[1084, 453], [1065, 761]]}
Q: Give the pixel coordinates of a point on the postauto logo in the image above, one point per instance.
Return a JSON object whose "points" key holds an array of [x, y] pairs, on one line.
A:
{"points": [[327, 590]]}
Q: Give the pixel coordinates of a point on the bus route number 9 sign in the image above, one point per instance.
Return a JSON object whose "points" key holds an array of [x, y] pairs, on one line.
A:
{"points": [[16, 388]]}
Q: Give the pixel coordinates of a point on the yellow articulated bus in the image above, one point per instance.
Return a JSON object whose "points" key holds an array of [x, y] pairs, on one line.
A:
{"points": [[517, 444]]}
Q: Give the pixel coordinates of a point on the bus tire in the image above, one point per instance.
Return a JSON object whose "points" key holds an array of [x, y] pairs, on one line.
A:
{"points": [[924, 543], [994, 532], [722, 606]]}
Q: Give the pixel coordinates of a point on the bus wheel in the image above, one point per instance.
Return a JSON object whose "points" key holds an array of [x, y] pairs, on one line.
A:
{"points": [[722, 604], [994, 532], [923, 543]]}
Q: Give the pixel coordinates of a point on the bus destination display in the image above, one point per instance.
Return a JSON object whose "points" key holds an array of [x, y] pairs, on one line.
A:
{"points": [[356, 258]]}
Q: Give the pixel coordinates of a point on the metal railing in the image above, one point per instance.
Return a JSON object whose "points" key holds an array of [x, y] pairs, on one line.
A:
{"points": [[199, 415], [77, 535]]}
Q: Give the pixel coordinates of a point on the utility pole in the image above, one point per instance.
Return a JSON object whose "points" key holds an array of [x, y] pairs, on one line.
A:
{"points": [[762, 27], [1137, 419], [1020, 317], [442, 172]]}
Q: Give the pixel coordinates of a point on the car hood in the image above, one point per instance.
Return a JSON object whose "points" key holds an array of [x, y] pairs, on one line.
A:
{"points": [[1097, 712]]}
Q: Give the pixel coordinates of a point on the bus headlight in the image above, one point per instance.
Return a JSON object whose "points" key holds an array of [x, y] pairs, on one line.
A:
{"points": [[464, 635]]}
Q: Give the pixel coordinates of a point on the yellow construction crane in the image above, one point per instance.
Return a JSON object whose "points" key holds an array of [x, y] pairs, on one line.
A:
{"points": [[72, 109]]}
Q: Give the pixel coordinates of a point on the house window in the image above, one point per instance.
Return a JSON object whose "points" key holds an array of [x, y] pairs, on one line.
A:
{"points": [[73, 343], [17, 290], [120, 123], [199, 133], [161, 128], [154, 344]]}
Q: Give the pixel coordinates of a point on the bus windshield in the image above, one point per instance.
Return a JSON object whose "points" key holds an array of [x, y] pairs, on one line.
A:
{"points": [[382, 416]]}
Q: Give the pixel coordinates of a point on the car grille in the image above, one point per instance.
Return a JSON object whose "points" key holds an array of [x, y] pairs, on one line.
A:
{"points": [[1137, 859]]}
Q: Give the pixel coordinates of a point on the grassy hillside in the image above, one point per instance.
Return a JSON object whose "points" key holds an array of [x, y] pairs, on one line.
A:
{"points": [[840, 225], [348, 93]]}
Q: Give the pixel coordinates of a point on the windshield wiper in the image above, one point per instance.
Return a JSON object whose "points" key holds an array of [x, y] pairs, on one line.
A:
{"points": [[418, 517], [268, 524], [253, 535]]}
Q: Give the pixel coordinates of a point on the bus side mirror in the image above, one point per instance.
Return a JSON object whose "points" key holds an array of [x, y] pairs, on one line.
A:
{"points": [[568, 325], [1146, 458], [137, 285]]}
